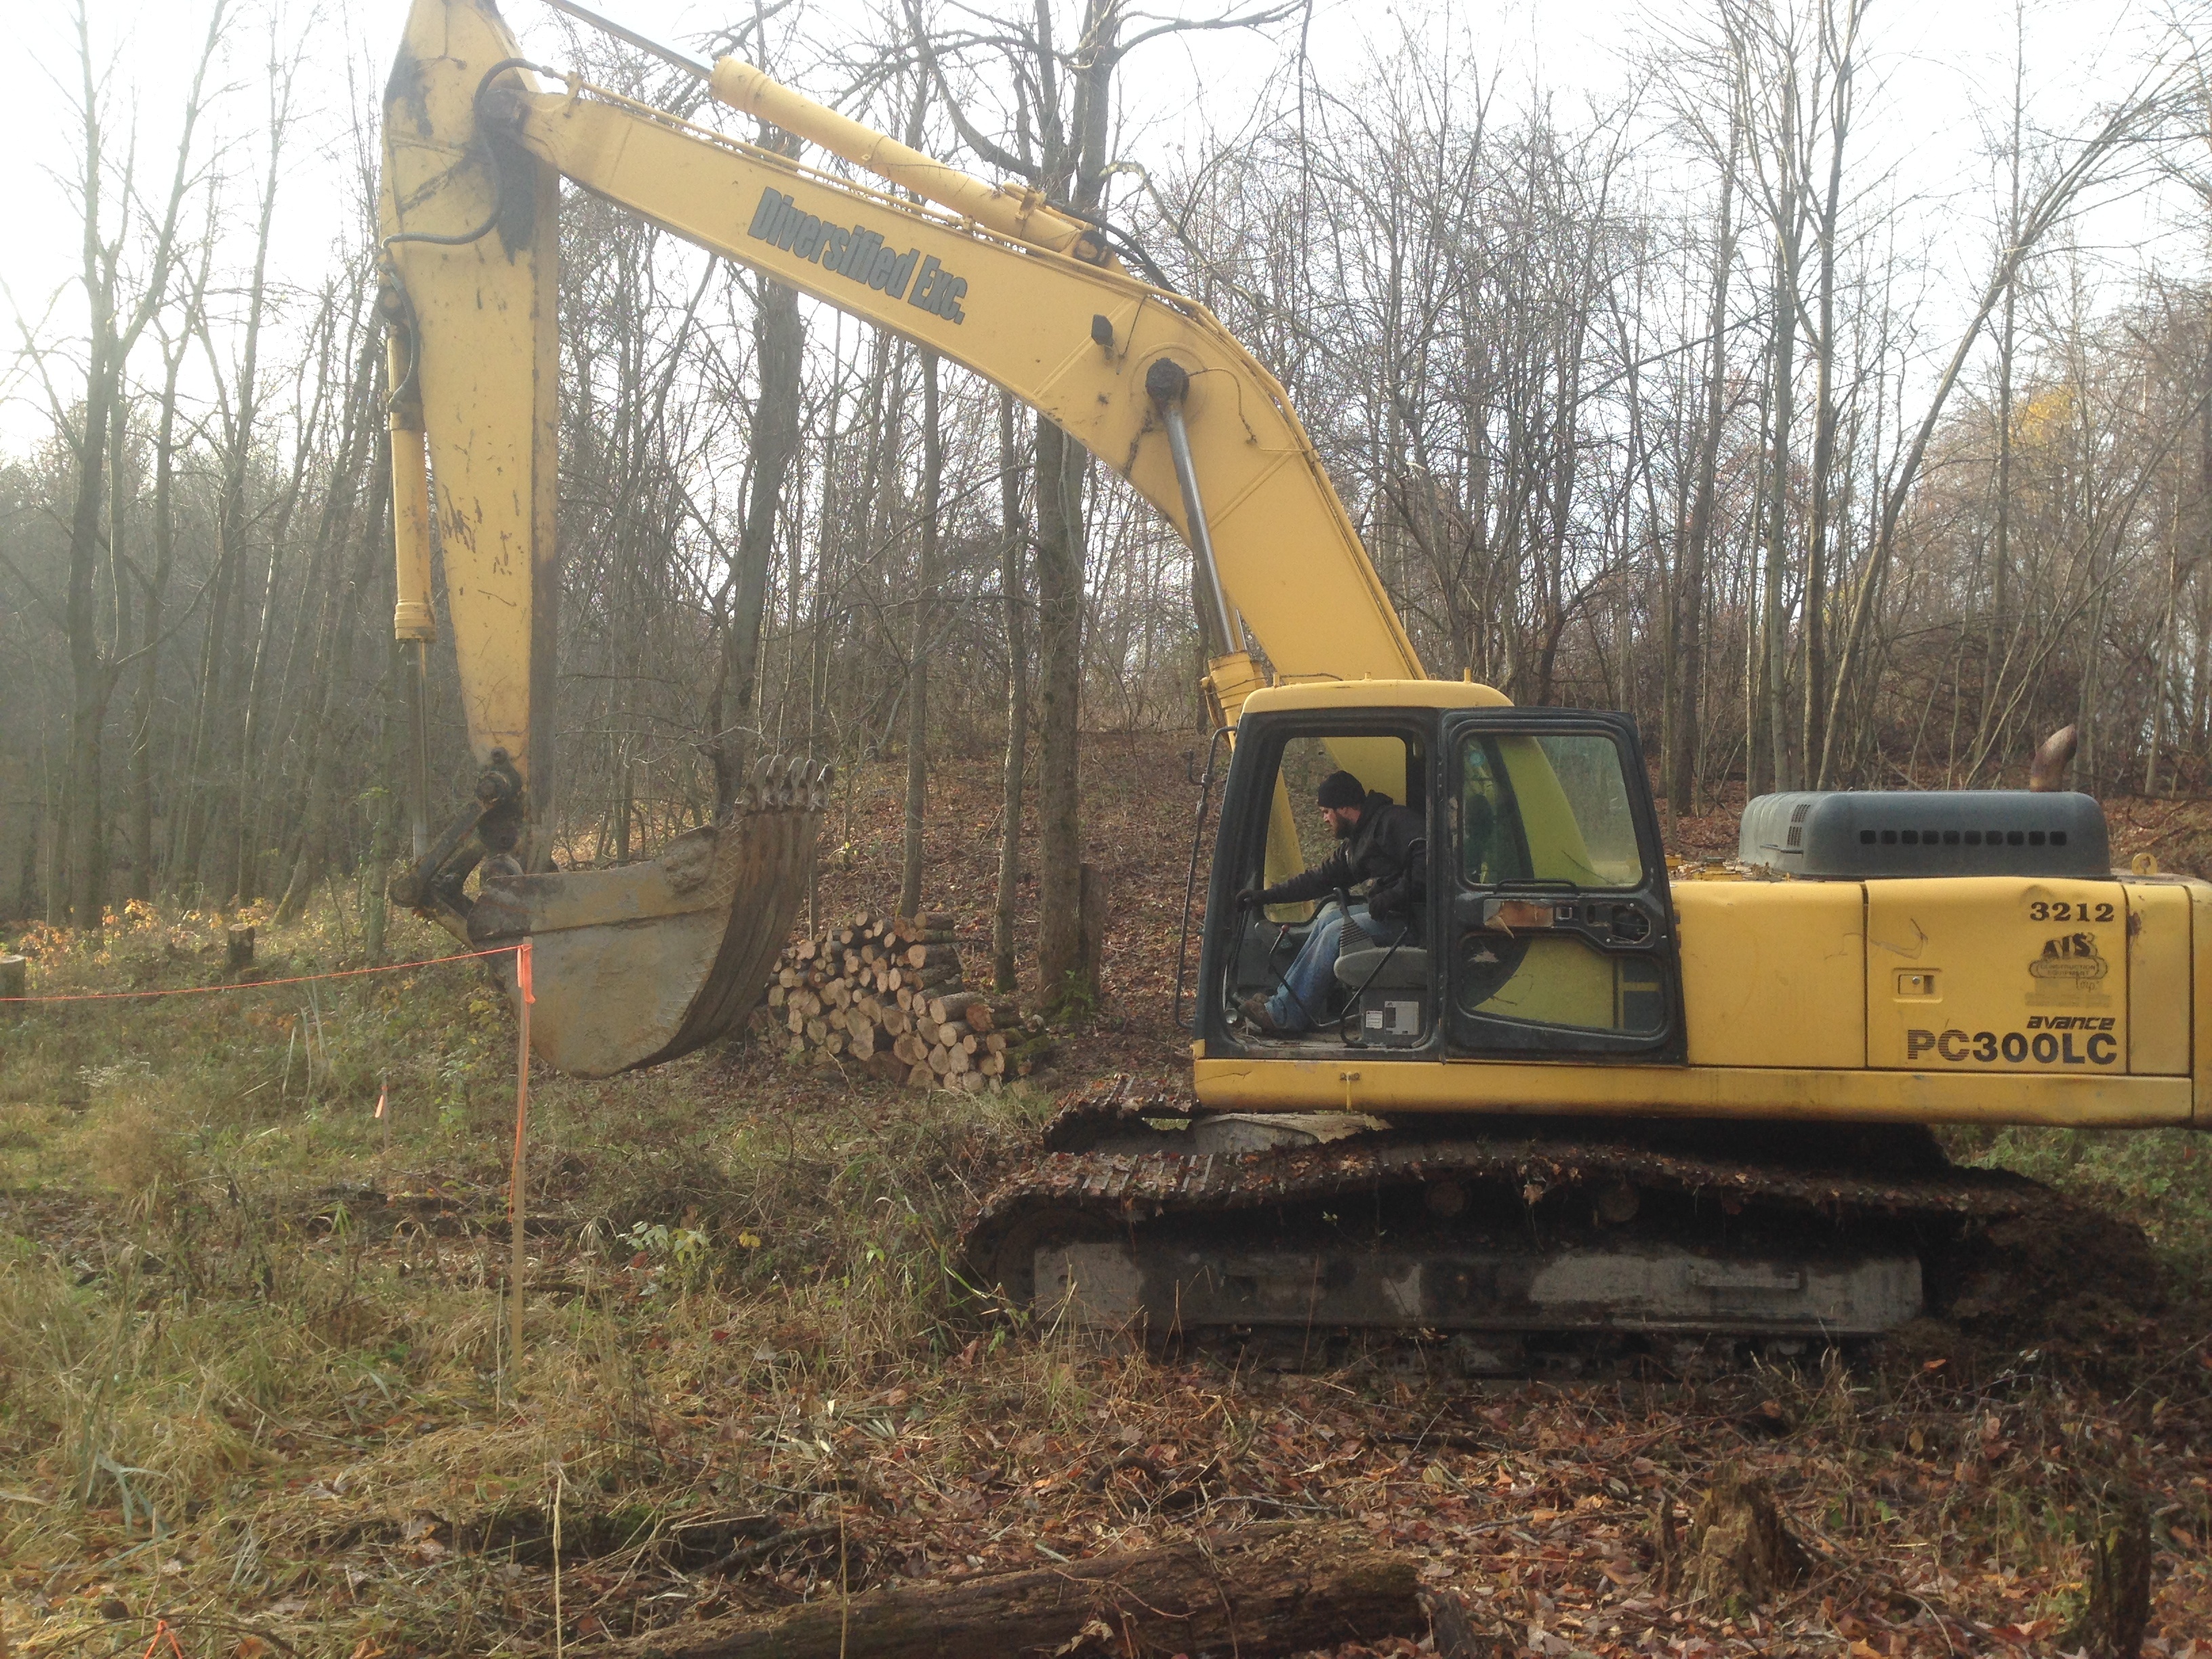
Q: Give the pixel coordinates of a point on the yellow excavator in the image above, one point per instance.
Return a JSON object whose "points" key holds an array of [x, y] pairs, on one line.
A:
{"points": [[1585, 1098]]}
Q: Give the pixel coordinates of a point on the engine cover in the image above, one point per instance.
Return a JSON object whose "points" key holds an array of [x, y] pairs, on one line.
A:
{"points": [[1869, 833]]}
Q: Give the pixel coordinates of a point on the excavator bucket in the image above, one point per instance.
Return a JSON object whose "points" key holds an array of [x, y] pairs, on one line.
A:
{"points": [[638, 964]]}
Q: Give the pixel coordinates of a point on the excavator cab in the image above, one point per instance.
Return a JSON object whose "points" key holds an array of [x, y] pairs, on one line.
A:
{"points": [[1545, 930]]}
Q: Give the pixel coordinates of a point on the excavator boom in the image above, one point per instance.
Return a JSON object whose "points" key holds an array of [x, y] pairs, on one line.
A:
{"points": [[992, 276]]}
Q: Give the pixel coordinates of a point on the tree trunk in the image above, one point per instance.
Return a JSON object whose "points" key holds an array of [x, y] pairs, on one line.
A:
{"points": [[1775, 620], [328, 724], [1061, 467], [90, 677], [1271, 1589], [2008, 334], [375, 905], [1813, 740], [780, 341], [147, 695], [1758, 764], [925, 620], [1689, 635], [247, 813], [194, 803], [2118, 1618], [93, 671], [1016, 601]]}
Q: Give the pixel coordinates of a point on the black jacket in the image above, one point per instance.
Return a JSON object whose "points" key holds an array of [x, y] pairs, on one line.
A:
{"points": [[1387, 847]]}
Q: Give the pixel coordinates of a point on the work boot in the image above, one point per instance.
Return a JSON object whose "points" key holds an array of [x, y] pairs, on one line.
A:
{"points": [[1254, 1010]]}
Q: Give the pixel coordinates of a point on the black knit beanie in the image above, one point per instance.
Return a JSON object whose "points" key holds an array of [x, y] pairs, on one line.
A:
{"points": [[1342, 789]]}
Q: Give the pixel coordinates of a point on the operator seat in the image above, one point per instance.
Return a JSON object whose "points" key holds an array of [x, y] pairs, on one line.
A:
{"points": [[1358, 957]]}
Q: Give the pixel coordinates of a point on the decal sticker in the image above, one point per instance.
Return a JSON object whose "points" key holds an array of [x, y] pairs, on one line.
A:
{"points": [[859, 255], [2071, 972], [2070, 955], [2050, 1040]]}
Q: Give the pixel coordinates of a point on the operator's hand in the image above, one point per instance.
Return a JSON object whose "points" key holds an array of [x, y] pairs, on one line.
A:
{"points": [[1249, 898]]}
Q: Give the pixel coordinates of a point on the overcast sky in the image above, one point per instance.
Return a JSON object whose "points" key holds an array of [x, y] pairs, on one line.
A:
{"points": [[1943, 74]]}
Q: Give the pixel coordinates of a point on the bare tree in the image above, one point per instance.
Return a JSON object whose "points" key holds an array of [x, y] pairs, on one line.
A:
{"points": [[1062, 124], [927, 577], [117, 320], [1014, 545]]}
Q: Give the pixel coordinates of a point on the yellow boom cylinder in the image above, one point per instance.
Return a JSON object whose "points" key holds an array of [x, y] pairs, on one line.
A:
{"points": [[1012, 211], [412, 617]]}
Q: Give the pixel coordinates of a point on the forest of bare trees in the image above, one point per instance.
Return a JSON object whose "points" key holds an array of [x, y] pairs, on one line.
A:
{"points": [[1664, 403]]}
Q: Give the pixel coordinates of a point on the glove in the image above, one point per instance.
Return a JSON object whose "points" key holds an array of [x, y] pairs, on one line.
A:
{"points": [[1249, 898]]}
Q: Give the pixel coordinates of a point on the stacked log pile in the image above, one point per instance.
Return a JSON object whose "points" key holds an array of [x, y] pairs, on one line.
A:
{"points": [[889, 994]]}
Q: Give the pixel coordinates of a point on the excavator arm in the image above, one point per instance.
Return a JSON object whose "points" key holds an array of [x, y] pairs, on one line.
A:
{"points": [[993, 278]]}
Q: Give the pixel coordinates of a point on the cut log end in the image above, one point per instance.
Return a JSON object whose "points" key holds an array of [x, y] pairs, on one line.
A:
{"points": [[886, 997]]}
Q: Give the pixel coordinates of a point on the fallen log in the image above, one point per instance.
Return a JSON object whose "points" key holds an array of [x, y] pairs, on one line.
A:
{"points": [[953, 1006], [1271, 1589]]}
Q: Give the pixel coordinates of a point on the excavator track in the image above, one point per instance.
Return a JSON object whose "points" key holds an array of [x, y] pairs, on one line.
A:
{"points": [[1143, 1214]]}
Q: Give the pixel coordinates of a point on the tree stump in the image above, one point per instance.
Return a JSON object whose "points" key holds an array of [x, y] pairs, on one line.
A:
{"points": [[1459, 1631], [1272, 1589], [1737, 1545], [15, 976], [1091, 935], [2113, 1625], [239, 948], [1666, 1546]]}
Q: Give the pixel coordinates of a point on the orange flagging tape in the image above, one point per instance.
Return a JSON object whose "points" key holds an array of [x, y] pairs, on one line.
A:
{"points": [[263, 984]]}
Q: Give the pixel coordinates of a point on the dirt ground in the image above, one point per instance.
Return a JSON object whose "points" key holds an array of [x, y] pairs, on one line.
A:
{"points": [[252, 1380]]}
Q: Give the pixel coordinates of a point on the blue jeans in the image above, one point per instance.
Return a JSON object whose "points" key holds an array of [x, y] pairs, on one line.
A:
{"points": [[1303, 998]]}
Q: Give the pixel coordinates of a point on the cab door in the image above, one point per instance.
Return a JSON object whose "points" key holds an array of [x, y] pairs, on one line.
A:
{"points": [[1561, 935]]}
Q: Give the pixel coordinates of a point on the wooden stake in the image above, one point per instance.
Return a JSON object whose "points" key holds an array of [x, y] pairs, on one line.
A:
{"points": [[516, 1197]]}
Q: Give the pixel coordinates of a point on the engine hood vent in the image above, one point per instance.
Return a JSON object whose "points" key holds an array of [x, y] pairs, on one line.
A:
{"points": [[1926, 832]]}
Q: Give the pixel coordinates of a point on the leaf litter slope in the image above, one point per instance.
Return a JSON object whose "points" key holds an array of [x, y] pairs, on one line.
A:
{"points": [[251, 1381]]}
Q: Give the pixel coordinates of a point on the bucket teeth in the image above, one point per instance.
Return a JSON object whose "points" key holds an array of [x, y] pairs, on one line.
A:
{"points": [[780, 782], [757, 793]]}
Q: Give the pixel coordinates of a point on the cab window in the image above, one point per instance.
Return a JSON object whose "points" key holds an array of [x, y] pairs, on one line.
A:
{"points": [[1554, 933], [1297, 836], [1549, 809]]}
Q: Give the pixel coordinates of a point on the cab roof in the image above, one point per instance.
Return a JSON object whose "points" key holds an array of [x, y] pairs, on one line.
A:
{"points": [[1339, 696]]}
